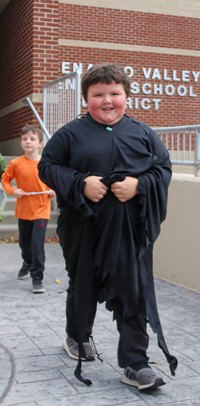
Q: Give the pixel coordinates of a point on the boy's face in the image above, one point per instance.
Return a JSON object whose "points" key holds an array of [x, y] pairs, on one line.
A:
{"points": [[30, 142], [106, 102]]}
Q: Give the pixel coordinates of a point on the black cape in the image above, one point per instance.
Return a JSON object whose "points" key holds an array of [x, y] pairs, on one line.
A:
{"points": [[110, 242]]}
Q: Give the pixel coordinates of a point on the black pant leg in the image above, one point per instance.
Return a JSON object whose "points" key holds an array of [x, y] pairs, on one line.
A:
{"points": [[71, 329], [25, 239], [38, 253], [133, 337], [71, 314]]}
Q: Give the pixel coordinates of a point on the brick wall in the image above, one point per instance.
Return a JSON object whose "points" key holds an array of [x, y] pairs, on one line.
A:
{"points": [[136, 28], [176, 110], [46, 20], [29, 46], [128, 27], [31, 56], [16, 51]]}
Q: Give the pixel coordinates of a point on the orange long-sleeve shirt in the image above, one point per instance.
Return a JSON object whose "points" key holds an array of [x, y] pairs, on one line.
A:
{"points": [[25, 173]]}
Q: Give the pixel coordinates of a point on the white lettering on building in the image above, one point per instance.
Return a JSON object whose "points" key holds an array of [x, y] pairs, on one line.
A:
{"points": [[174, 82]]}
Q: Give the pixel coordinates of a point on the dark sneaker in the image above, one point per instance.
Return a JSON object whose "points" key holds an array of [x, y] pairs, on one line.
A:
{"points": [[143, 379], [24, 271], [71, 348], [37, 286]]}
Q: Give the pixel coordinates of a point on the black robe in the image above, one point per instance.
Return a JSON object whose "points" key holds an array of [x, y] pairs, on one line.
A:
{"points": [[110, 242]]}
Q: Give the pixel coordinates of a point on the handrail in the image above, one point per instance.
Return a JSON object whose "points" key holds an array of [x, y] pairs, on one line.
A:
{"points": [[182, 142], [27, 101], [177, 128]]}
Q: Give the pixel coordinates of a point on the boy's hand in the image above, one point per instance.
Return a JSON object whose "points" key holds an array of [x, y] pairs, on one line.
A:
{"points": [[126, 189], [52, 193], [19, 193], [94, 189]]}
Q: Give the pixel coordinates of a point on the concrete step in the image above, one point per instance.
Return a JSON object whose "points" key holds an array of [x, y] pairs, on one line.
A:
{"points": [[10, 231], [9, 223], [8, 217], [10, 203]]}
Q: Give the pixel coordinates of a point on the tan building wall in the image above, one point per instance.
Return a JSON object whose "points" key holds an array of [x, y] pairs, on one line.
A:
{"points": [[177, 250]]}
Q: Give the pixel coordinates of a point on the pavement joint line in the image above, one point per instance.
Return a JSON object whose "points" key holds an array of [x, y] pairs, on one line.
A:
{"points": [[12, 375]]}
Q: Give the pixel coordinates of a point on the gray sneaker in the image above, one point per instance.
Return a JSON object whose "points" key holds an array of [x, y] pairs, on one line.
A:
{"points": [[24, 271], [143, 379], [37, 286], [71, 348]]}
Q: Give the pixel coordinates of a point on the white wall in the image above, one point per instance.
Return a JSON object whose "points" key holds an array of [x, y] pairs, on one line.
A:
{"points": [[177, 250]]}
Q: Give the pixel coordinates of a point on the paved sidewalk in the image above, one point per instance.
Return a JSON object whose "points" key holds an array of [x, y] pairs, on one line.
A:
{"points": [[35, 370]]}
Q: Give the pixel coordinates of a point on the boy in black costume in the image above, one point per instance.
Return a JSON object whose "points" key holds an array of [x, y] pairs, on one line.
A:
{"points": [[111, 175]]}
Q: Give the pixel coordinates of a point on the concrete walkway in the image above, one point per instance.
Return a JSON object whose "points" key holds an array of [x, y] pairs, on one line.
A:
{"points": [[35, 370]]}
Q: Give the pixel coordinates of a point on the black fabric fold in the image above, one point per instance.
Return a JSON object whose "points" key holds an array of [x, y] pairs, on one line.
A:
{"points": [[148, 291]]}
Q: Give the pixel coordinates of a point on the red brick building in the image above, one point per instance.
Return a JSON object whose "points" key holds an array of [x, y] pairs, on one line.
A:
{"points": [[157, 42]]}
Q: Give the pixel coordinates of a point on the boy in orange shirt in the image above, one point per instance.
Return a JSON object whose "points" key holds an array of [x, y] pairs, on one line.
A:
{"points": [[32, 205]]}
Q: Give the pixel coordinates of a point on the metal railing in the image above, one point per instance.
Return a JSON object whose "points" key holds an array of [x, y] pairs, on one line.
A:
{"points": [[183, 144], [61, 101], [27, 101]]}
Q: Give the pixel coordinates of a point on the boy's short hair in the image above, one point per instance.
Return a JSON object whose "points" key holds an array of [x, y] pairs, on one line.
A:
{"points": [[35, 129], [105, 73]]}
